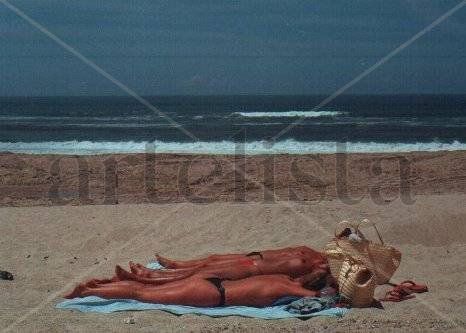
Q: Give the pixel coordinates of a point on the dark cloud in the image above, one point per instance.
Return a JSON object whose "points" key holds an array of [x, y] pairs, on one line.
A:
{"points": [[228, 47]]}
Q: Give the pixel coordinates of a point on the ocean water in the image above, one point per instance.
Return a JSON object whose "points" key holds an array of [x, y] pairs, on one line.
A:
{"points": [[229, 124]]}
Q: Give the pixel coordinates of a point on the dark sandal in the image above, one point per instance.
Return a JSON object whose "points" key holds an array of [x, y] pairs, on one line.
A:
{"points": [[4, 275]]}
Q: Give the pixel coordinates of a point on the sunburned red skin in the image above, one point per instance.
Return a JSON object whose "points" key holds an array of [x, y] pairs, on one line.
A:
{"points": [[257, 291], [293, 262], [216, 258], [247, 280]]}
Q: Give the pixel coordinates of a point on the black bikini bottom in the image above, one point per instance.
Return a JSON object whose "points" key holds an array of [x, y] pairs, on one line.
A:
{"points": [[255, 253], [218, 284]]}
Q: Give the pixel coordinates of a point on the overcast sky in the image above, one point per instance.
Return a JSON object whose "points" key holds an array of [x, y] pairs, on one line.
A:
{"points": [[231, 47]]}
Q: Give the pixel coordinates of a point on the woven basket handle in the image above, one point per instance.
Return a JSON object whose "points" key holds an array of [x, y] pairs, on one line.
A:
{"points": [[366, 222], [356, 227], [345, 224]]}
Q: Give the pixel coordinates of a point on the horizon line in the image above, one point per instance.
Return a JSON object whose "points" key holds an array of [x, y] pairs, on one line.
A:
{"points": [[243, 95]]}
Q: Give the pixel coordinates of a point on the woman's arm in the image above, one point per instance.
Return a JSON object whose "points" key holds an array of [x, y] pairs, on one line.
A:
{"points": [[312, 278]]}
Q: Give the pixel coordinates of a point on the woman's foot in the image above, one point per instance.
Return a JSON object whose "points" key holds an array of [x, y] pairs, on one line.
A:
{"points": [[76, 292], [140, 270], [93, 283], [165, 262], [124, 275]]}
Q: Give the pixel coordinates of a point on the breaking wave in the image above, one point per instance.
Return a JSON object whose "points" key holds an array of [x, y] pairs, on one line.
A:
{"points": [[290, 114], [289, 146]]}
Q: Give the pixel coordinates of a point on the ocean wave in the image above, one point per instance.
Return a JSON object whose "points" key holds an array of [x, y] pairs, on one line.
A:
{"points": [[289, 146], [292, 114], [79, 118]]}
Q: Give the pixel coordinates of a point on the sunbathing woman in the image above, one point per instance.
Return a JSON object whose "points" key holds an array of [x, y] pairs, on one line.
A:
{"points": [[292, 262], [217, 258], [206, 290]]}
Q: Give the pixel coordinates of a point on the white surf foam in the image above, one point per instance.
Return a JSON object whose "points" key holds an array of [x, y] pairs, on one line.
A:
{"points": [[294, 114], [222, 147]]}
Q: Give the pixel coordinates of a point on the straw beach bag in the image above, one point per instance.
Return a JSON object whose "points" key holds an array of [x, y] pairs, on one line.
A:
{"points": [[381, 259], [356, 284]]}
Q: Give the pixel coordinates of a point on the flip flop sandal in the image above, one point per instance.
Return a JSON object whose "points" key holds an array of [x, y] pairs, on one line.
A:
{"points": [[404, 290], [414, 287], [4, 275], [396, 296]]}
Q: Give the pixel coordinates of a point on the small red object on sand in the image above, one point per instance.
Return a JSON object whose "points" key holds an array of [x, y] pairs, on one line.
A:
{"points": [[404, 291]]}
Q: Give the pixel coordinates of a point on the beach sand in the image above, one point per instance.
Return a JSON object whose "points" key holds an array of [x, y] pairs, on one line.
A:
{"points": [[27, 180], [51, 248]]}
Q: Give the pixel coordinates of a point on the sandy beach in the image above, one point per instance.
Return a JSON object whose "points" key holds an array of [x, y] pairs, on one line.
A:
{"points": [[27, 180], [51, 243]]}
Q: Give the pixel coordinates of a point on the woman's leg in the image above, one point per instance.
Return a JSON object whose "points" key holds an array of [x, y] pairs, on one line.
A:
{"points": [[169, 263], [124, 275], [267, 255], [214, 263], [142, 271], [194, 292], [231, 270], [263, 290]]}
